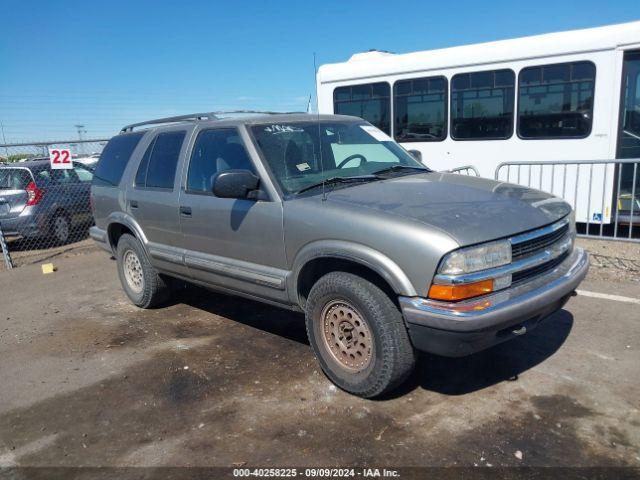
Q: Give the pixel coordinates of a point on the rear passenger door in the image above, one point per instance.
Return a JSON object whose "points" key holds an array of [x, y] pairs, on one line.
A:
{"points": [[153, 199], [231, 243]]}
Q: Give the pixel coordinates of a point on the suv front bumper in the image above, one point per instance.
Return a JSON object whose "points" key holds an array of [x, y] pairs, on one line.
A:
{"points": [[462, 328]]}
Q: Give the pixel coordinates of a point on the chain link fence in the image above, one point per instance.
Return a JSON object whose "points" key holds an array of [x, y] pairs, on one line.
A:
{"points": [[44, 211]]}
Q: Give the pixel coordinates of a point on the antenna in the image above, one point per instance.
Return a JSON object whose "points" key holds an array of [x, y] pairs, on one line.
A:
{"points": [[315, 81]]}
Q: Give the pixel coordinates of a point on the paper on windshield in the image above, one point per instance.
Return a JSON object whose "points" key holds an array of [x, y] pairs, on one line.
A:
{"points": [[376, 133]]}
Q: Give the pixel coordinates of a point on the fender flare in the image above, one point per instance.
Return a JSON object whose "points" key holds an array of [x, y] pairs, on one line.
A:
{"points": [[129, 222], [358, 253]]}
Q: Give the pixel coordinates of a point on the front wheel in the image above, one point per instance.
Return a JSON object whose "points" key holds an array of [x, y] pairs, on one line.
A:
{"points": [[358, 335]]}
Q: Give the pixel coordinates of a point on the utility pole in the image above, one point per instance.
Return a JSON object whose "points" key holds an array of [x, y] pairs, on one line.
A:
{"points": [[81, 130], [4, 140]]}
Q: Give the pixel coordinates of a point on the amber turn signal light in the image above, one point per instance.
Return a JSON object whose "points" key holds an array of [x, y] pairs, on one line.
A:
{"points": [[453, 293]]}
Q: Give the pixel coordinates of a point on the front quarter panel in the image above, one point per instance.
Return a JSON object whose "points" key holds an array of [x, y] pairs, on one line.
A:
{"points": [[404, 252]]}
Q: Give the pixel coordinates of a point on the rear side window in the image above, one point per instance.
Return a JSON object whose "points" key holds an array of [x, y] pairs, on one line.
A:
{"points": [[14, 178], [114, 159], [556, 101], [215, 151], [371, 101], [482, 105], [158, 166], [141, 175]]}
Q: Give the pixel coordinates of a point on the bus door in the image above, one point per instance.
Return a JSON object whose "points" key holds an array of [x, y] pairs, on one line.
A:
{"points": [[628, 202]]}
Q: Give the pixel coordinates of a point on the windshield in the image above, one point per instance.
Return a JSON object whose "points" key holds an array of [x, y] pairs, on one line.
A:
{"points": [[303, 154]]}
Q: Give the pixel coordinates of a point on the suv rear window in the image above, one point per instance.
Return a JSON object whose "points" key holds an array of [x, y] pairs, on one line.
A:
{"points": [[14, 178], [114, 159]]}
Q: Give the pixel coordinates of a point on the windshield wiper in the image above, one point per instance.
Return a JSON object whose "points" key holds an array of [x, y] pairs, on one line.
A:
{"points": [[398, 168], [337, 180]]}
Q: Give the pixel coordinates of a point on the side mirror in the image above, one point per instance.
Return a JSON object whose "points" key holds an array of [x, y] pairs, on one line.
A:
{"points": [[234, 183], [417, 154]]}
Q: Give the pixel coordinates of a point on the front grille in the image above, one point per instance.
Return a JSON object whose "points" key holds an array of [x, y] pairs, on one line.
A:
{"points": [[536, 244], [523, 275]]}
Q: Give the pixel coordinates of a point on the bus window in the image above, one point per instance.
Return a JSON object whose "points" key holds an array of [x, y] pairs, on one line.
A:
{"points": [[371, 102], [420, 109], [482, 105], [556, 101]]}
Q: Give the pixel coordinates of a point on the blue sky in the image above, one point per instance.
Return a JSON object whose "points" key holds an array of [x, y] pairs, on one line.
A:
{"points": [[106, 63]]}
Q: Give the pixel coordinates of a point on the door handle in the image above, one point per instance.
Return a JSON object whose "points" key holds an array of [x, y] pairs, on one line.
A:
{"points": [[133, 204], [185, 211]]}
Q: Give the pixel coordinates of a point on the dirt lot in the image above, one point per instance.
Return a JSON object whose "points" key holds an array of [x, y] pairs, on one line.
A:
{"points": [[88, 379]]}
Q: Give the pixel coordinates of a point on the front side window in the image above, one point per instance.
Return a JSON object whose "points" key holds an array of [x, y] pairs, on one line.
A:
{"points": [[215, 151], [556, 101], [114, 159], [371, 102], [162, 161], [420, 109], [302, 154], [482, 105]]}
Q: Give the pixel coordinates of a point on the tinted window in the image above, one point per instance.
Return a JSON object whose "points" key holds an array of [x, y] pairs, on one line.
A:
{"points": [[213, 152], [141, 174], [556, 101], [371, 102], [482, 105], [114, 159], [161, 170], [420, 109]]}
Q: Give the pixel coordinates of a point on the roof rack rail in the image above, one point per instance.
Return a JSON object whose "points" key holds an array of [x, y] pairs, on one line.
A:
{"points": [[263, 112], [199, 116], [179, 118]]}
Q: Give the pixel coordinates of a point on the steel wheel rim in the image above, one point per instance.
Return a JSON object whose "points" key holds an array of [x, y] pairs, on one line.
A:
{"points": [[133, 271], [346, 336], [61, 228]]}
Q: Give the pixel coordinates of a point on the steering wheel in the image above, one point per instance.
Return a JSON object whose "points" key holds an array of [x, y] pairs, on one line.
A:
{"points": [[362, 158]]}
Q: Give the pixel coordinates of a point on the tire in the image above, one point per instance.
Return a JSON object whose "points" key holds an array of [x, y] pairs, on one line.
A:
{"points": [[140, 281], [61, 228], [359, 310]]}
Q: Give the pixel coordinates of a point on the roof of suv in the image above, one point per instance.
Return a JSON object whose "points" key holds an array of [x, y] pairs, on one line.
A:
{"points": [[245, 119]]}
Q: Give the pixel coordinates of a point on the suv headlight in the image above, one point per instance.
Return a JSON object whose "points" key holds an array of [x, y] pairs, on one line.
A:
{"points": [[474, 259]]}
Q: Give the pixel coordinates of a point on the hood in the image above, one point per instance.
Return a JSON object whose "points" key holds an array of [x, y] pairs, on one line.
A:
{"points": [[469, 209]]}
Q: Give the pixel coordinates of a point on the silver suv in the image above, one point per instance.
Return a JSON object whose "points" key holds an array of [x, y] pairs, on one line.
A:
{"points": [[328, 216]]}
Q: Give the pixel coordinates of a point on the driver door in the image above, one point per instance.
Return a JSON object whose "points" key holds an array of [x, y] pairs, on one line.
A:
{"points": [[234, 244]]}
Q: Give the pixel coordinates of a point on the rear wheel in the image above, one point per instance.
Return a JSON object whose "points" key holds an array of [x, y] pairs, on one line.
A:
{"points": [[140, 281], [61, 228], [358, 335]]}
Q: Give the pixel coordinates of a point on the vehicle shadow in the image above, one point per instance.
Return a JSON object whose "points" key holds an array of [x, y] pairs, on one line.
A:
{"points": [[449, 376], [274, 320], [504, 362]]}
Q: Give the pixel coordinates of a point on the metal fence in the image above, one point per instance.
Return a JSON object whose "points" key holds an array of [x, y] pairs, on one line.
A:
{"points": [[42, 210], [605, 194]]}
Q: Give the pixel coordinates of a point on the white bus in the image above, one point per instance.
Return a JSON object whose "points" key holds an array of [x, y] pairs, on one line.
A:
{"points": [[555, 97]]}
